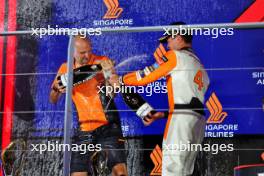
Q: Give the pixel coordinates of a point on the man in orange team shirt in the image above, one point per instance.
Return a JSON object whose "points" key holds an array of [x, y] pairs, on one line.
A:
{"points": [[96, 126]]}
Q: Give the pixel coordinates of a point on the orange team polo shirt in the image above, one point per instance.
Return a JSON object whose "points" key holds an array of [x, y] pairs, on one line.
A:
{"points": [[87, 101]]}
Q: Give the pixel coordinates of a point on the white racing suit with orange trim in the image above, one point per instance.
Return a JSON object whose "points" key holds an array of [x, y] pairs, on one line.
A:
{"points": [[187, 82]]}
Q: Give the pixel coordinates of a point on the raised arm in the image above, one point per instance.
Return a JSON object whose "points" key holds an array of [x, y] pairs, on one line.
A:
{"points": [[151, 73], [56, 89]]}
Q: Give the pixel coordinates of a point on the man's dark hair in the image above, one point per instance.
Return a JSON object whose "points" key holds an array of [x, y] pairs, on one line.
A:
{"points": [[187, 37]]}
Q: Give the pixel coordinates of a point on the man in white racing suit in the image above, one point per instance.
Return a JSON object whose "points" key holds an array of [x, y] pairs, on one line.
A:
{"points": [[187, 82]]}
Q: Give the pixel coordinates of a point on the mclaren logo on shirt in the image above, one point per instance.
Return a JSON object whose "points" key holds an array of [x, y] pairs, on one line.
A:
{"points": [[215, 126]]}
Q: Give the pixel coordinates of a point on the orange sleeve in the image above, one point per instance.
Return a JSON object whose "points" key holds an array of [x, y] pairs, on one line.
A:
{"points": [[63, 68], [134, 78]]}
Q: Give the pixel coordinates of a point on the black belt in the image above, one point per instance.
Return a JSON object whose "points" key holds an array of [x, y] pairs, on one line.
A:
{"points": [[195, 105], [103, 130]]}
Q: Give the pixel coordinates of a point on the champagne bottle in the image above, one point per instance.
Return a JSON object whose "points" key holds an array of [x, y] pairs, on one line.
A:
{"points": [[137, 104], [80, 74]]}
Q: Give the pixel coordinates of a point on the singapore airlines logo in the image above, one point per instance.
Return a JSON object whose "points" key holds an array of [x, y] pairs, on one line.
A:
{"points": [[156, 157], [216, 110], [113, 9]]}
